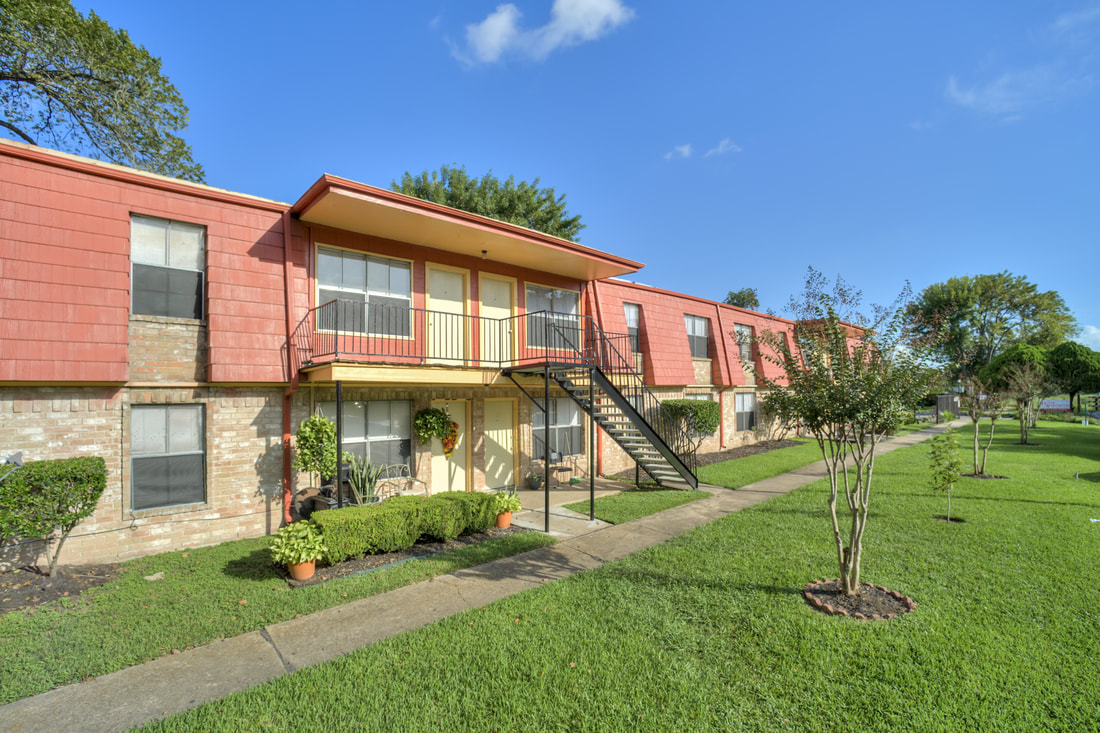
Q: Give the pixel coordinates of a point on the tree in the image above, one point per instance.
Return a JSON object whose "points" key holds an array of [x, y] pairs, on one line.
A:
{"points": [[978, 400], [77, 84], [1075, 368], [982, 316], [744, 298], [847, 382], [1020, 372], [523, 203], [945, 464], [699, 418]]}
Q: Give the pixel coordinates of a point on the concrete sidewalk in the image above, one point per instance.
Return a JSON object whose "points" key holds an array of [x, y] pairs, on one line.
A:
{"points": [[170, 684]]}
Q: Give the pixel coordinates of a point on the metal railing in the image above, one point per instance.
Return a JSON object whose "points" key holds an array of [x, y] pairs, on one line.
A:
{"points": [[348, 330]]}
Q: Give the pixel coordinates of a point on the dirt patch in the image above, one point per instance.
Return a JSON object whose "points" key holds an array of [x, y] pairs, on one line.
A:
{"points": [[982, 476], [952, 520], [30, 588], [873, 602], [420, 549]]}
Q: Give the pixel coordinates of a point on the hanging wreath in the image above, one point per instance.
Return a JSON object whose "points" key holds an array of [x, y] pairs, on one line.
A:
{"points": [[450, 440]]}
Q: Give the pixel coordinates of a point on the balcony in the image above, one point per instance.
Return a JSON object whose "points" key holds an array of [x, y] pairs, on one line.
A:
{"points": [[349, 332]]}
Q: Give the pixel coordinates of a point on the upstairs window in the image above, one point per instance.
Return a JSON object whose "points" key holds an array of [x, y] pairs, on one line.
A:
{"points": [[743, 334], [168, 259], [633, 314], [561, 322], [373, 294], [698, 336]]}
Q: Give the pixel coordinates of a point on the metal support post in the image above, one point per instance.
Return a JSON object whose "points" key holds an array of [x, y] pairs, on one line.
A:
{"points": [[591, 445], [339, 443], [546, 444]]}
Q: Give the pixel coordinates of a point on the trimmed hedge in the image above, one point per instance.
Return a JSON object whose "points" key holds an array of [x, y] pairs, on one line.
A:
{"points": [[478, 510], [397, 523]]}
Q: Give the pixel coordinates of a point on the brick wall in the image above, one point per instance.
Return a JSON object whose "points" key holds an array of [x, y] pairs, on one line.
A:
{"points": [[167, 349], [243, 466]]}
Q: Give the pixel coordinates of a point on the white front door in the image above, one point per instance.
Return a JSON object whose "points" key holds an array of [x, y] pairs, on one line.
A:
{"points": [[446, 316], [449, 474], [500, 454]]}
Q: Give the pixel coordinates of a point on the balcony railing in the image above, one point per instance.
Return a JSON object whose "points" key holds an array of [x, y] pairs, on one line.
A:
{"points": [[345, 330]]}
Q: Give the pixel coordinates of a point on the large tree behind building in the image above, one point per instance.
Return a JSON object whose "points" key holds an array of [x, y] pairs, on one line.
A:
{"points": [[744, 298], [981, 316], [524, 204], [74, 83]]}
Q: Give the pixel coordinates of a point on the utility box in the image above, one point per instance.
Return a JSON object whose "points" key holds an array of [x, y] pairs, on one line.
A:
{"points": [[947, 403]]}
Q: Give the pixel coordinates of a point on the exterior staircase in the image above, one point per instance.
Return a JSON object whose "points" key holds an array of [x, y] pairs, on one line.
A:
{"points": [[592, 369]]}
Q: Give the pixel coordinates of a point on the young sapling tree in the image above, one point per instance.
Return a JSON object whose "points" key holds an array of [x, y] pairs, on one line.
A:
{"points": [[945, 464]]}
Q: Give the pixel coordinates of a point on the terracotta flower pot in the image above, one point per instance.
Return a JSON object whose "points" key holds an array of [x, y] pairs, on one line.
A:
{"points": [[504, 520], [301, 570]]}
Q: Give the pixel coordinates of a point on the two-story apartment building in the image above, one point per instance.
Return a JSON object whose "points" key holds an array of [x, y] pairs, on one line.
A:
{"points": [[182, 332]]}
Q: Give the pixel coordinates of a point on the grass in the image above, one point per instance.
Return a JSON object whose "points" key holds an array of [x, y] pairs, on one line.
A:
{"points": [[636, 503], [206, 594], [709, 631], [744, 471]]}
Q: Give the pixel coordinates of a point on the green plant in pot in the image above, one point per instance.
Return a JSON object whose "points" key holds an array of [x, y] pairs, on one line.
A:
{"points": [[315, 448], [535, 480], [363, 477], [505, 503], [299, 546], [432, 422]]}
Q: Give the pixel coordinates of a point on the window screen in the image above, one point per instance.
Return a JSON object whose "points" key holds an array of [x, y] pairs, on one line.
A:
{"points": [[559, 326], [167, 455], [746, 410], [372, 294], [698, 336], [168, 258], [633, 314], [378, 431], [566, 431]]}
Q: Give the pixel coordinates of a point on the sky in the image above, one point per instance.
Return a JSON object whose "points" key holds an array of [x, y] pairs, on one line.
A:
{"points": [[725, 144]]}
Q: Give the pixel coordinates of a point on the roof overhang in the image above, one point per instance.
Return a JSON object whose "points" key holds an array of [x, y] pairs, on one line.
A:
{"points": [[356, 207]]}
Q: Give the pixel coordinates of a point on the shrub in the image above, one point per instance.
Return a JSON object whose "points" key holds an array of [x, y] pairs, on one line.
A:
{"points": [[391, 526], [442, 519], [49, 498], [699, 418], [478, 508]]}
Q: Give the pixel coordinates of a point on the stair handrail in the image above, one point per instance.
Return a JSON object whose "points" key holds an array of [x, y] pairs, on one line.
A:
{"points": [[668, 428]]}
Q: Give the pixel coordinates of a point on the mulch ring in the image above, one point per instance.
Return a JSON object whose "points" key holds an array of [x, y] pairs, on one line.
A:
{"points": [[424, 548], [982, 476], [30, 587], [873, 603]]}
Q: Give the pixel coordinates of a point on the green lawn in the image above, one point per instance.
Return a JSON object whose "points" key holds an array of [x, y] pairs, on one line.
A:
{"points": [[636, 503], [709, 631], [743, 471], [206, 594]]}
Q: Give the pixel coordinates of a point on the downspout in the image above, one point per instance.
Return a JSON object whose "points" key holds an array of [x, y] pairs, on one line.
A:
{"points": [[729, 377], [292, 367]]}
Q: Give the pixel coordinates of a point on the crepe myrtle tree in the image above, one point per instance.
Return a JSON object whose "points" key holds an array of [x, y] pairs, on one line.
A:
{"points": [[980, 400], [847, 381]]}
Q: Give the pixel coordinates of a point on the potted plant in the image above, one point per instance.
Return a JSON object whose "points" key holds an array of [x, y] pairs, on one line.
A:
{"points": [[535, 480], [363, 478], [299, 546], [506, 502]]}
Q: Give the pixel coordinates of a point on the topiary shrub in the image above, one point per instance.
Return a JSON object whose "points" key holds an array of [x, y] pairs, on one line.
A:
{"points": [[47, 499], [700, 418], [478, 509], [391, 526]]}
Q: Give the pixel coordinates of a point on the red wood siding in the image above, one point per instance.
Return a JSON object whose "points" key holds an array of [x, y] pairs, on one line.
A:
{"points": [[65, 271]]}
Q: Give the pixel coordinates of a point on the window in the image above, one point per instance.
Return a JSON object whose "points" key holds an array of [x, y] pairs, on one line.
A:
{"points": [[743, 334], [167, 259], [167, 456], [697, 336], [372, 294], [566, 431], [563, 320], [378, 431], [745, 404], [633, 319]]}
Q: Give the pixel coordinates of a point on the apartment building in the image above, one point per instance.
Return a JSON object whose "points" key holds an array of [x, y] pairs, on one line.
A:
{"points": [[183, 332]]}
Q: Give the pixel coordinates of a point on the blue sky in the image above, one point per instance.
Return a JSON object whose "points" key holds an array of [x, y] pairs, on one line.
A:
{"points": [[725, 144]]}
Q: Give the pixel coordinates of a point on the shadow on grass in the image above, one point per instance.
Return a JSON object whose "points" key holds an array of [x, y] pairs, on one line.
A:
{"points": [[256, 565]]}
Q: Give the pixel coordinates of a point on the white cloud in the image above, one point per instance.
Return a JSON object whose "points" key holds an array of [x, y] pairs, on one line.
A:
{"points": [[679, 151], [1090, 337], [1015, 91], [1075, 21], [571, 22], [920, 125], [726, 146]]}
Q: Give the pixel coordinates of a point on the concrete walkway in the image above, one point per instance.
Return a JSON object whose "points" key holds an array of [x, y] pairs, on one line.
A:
{"points": [[170, 684]]}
